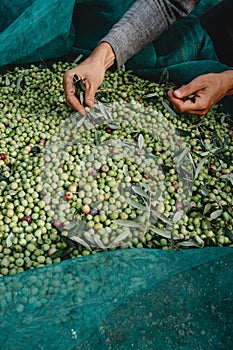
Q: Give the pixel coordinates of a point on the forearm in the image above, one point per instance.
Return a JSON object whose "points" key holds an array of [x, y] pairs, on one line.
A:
{"points": [[143, 23], [104, 55]]}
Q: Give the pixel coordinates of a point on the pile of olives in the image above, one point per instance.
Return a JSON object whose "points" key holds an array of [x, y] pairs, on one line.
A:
{"points": [[131, 173]]}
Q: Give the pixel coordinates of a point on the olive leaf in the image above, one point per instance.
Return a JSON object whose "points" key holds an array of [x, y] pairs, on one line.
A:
{"points": [[103, 111], [223, 117], [217, 150], [74, 116], [3, 178], [70, 226], [206, 208], [98, 242], [81, 97], [185, 174], [94, 114], [182, 155], [204, 190], [135, 204], [90, 239], [178, 215], [79, 227], [103, 99], [66, 252], [78, 58], [228, 177], [9, 240], [164, 233], [215, 214], [192, 161], [80, 122], [97, 138], [157, 196], [88, 125], [114, 127], [57, 254], [109, 114], [153, 94], [164, 77], [199, 167], [127, 223], [76, 81], [68, 241], [204, 154], [146, 187], [140, 141], [157, 215], [226, 140], [7, 81], [199, 240], [18, 84], [182, 132], [191, 97], [229, 234], [120, 238], [138, 190], [125, 170], [165, 105], [82, 85], [189, 243]]}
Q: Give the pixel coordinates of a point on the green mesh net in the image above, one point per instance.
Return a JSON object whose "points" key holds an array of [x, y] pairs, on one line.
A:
{"points": [[126, 299]]}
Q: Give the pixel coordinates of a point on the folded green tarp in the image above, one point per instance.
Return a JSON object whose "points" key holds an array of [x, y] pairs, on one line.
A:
{"points": [[37, 30]]}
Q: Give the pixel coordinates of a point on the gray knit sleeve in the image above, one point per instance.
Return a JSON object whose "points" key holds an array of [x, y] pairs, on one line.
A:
{"points": [[143, 23]]}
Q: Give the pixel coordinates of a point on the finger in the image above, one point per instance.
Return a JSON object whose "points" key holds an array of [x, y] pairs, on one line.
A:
{"points": [[70, 94], [187, 106], [90, 92], [68, 84], [196, 111], [185, 90], [74, 103]]}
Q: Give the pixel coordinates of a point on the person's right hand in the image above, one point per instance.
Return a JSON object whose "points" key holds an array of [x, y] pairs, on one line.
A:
{"points": [[92, 70], [207, 90]]}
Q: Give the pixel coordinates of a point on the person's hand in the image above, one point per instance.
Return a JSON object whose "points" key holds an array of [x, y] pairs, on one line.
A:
{"points": [[92, 70], [205, 91]]}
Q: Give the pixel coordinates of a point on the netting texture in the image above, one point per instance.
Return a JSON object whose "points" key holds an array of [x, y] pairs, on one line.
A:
{"points": [[124, 299]]}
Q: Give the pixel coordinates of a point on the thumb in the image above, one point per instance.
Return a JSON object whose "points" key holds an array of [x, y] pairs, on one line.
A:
{"points": [[184, 91]]}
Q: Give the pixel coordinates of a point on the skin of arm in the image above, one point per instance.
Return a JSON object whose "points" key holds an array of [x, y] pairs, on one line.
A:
{"points": [[208, 89], [141, 24]]}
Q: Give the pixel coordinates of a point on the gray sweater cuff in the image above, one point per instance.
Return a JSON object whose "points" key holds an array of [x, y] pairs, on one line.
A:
{"points": [[143, 23]]}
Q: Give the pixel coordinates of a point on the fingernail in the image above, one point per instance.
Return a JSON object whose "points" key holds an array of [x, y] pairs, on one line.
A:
{"points": [[90, 103], [177, 92]]}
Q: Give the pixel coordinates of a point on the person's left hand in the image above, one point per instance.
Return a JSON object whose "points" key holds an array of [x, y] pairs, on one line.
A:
{"points": [[206, 91]]}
